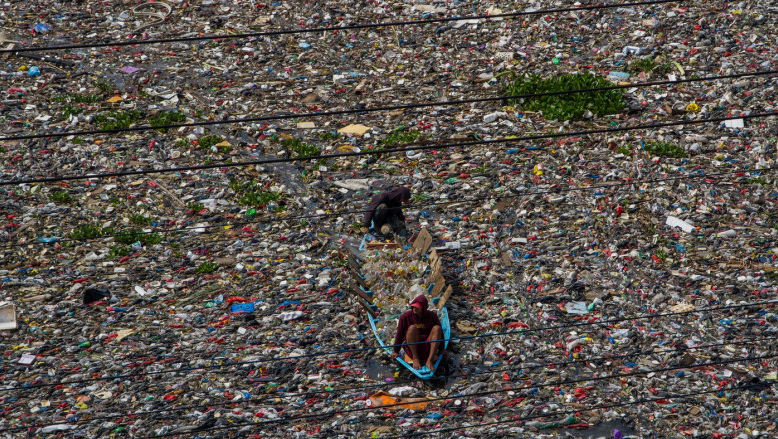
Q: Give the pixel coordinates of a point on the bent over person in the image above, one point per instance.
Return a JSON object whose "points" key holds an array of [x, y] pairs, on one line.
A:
{"points": [[415, 325], [385, 209]]}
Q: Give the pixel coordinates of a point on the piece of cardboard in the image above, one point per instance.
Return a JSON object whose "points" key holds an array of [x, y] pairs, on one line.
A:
{"points": [[356, 129], [423, 241], [504, 203], [435, 278], [435, 267], [438, 287], [433, 256], [445, 297]]}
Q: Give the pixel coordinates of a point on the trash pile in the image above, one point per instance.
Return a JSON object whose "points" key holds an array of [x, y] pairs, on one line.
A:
{"points": [[393, 279], [608, 280]]}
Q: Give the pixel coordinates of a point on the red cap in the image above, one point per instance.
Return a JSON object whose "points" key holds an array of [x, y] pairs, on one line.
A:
{"points": [[420, 302]]}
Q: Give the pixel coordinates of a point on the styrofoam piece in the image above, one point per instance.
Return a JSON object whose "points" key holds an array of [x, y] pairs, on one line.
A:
{"points": [[677, 222], [7, 316]]}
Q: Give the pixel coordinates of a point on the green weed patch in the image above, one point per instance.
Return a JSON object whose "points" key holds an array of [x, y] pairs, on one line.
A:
{"points": [[565, 106]]}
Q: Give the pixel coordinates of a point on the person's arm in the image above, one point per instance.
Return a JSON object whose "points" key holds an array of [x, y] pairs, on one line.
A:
{"points": [[402, 329], [371, 209]]}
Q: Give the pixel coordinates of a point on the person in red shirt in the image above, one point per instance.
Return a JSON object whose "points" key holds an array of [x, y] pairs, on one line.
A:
{"points": [[415, 325]]}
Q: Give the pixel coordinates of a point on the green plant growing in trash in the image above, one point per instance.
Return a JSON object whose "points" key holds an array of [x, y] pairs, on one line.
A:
{"points": [[565, 106], [117, 120], [643, 65], [649, 64], [224, 149], [328, 135], [323, 162], [299, 149], [195, 206], [664, 149], [119, 251], [84, 98], [131, 236], [78, 98], [399, 137], [206, 268], [104, 87], [140, 219], [392, 170], [355, 226], [89, 231], [166, 118], [419, 197], [757, 180], [70, 110], [209, 140], [253, 192], [60, 197], [625, 150]]}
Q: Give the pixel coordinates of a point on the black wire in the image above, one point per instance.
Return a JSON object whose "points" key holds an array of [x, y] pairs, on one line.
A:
{"points": [[565, 412], [346, 350], [278, 219], [482, 393], [269, 396], [334, 28], [388, 151], [378, 109]]}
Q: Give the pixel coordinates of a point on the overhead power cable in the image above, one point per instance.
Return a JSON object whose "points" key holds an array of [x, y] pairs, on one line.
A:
{"points": [[210, 228], [341, 390], [388, 151], [643, 401], [313, 416], [508, 15], [348, 350], [309, 115]]}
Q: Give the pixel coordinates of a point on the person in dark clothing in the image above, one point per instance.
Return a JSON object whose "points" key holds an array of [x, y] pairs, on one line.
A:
{"points": [[386, 209], [419, 324]]}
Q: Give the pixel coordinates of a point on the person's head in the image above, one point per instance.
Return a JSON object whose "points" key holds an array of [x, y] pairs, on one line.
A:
{"points": [[419, 305]]}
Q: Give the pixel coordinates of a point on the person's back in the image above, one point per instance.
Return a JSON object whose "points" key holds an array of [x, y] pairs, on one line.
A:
{"points": [[386, 208]]}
